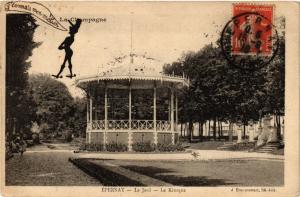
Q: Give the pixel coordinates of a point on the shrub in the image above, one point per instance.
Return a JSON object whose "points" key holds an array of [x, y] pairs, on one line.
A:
{"points": [[116, 147], [179, 147], [8, 151], [68, 136], [170, 147], [143, 147], [35, 138], [148, 147], [111, 147], [91, 147], [29, 143], [138, 147], [243, 146], [51, 147]]}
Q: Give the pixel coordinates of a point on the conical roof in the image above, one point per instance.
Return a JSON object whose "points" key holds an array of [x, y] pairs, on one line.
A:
{"points": [[133, 67]]}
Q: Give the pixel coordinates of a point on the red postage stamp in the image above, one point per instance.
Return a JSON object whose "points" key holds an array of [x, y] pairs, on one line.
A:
{"points": [[252, 29]]}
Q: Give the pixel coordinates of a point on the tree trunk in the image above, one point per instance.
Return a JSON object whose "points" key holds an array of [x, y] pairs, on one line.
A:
{"points": [[185, 130], [208, 129], [199, 130], [186, 133], [191, 130], [244, 133], [181, 129], [230, 131], [215, 128], [221, 129]]}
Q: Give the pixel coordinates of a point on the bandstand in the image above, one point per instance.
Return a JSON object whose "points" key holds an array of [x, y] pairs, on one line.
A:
{"points": [[132, 102]]}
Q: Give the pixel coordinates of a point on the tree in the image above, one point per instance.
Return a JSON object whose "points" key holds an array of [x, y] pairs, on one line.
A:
{"points": [[201, 100], [275, 80], [20, 110], [218, 90], [55, 105], [79, 118]]}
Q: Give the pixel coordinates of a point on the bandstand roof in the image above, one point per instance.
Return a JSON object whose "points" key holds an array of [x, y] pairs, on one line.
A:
{"points": [[138, 71]]}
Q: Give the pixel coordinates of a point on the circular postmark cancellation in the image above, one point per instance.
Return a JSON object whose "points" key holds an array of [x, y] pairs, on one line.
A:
{"points": [[250, 40]]}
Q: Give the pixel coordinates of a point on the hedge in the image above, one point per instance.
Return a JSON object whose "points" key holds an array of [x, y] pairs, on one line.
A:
{"points": [[137, 147], [111, 147]]}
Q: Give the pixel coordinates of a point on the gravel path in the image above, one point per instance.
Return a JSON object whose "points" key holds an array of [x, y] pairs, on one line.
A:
{"points": [[46, 169], [191, 155]]}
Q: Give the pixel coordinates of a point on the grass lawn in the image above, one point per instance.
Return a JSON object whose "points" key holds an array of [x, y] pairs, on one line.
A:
{"points": [[45, 169], [203, 173]]}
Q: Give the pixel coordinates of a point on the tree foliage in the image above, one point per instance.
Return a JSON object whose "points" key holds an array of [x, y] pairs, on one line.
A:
{"points": [[20, 110], [220, 91], [56, 108], [37, 103]]}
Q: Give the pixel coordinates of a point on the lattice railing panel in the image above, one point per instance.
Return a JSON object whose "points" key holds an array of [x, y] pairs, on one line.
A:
{"points": [[142, 124], [98, 124], [118, 124], [161, 125]]}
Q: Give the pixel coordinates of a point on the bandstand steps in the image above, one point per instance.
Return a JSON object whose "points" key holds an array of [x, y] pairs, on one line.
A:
{"points": [[269, 147]]}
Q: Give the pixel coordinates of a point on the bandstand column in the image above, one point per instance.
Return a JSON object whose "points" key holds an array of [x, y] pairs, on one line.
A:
{"points": [[105, 118], [154, 116], [176, 112], [95, 111], [176, 115], [87, 121], [172, 116], [91, 118], [129, 121], [87, 111]]}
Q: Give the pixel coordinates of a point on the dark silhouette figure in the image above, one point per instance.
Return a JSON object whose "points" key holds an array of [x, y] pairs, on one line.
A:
{"points": [[66, 45]]}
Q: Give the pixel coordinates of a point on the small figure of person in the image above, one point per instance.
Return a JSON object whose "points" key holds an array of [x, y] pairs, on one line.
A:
{"points": [[22, 146], [66, 45], [19, 145]]}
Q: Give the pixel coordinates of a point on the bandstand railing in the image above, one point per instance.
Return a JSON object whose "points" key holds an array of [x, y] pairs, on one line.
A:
{"points": [[118, 124], [98, 124], [161, 125], [142, 124]]}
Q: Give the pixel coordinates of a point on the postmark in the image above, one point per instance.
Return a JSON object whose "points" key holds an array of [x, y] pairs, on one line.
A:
{"points": [[250, 39]]}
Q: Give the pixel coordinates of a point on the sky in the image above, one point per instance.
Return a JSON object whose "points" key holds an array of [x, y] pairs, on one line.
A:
{"points": [[163, 31]]}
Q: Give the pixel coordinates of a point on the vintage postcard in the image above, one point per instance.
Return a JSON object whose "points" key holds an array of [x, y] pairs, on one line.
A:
{"points": [[154, 98]]}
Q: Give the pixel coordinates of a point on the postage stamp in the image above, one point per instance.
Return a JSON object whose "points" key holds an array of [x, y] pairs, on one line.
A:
{"points": [[250, 40], [252, 29]]}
